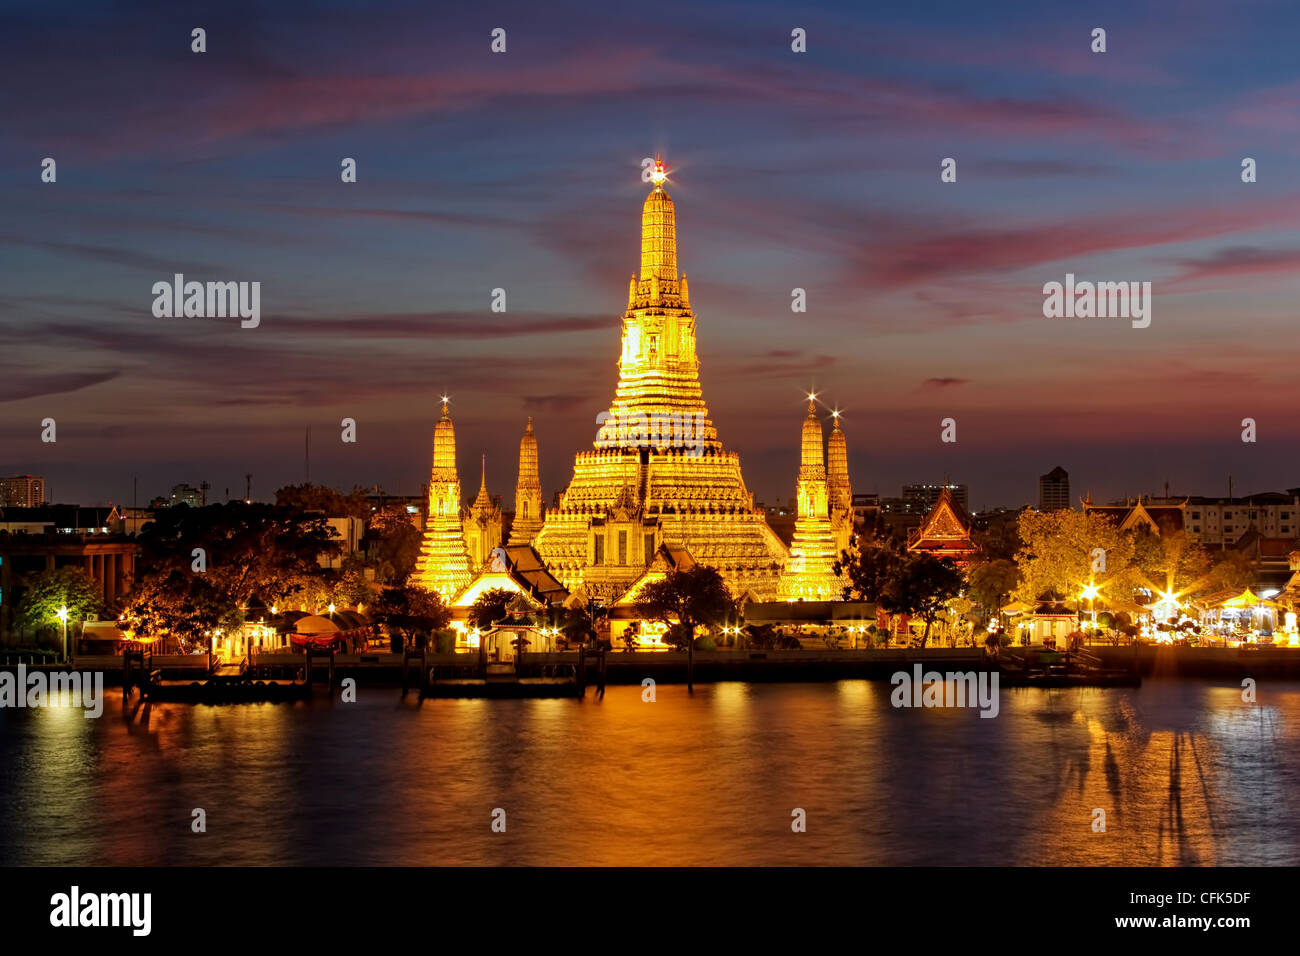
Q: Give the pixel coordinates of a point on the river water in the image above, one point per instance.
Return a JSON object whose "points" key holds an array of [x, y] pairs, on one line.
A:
{"points": [[1186, 773]]}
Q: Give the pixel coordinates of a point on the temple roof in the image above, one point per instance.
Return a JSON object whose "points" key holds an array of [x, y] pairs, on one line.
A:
{"points": [[945, 530]]}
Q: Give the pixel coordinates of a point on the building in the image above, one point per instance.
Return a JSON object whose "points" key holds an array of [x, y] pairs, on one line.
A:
{"points": [[182, 494], [658, 473], [22, 491], [62, 519], [945, 532], [108, 560], [1157, 516], [1054, 490], [809, 574], [482, 525], [923, 497], [1222, 521], [444, 562], [349, 531], [1212, 522], [528, 491]]}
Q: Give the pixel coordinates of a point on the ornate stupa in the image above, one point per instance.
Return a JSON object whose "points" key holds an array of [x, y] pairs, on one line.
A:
{"points": [[658, 473], [841, 491], [528, 491], [809, 575], [444, 563], [482, 525]]}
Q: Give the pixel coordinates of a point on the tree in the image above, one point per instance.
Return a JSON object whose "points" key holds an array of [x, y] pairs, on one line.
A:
{"points": [[392, 544], [691, 598], [922, 588], [185, 607], [1171, 559], [1232, 572], [869, 570], [578, 623], [48, 591], [244, 550], [1059, 554], [322, 500], [350, 587], [410, 612], [991, 583], [490, 607]]}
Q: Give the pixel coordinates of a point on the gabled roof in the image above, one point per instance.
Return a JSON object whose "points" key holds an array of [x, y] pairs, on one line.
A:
{"points": [[946, 529], [527, 568], [667, 558]]}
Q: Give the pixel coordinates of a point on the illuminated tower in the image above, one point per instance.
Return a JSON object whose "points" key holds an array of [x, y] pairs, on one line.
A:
{"points": [[482, 525], [841, 492], [809, 575], [528, 491], [658, 473], [444, 564]]}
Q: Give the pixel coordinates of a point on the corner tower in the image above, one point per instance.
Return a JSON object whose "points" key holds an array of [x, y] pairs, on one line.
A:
{"points": [[444, 564], [809, 575], [841, 491], [528, 491]]}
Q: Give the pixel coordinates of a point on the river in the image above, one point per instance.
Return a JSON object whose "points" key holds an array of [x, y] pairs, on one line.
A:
{"points": [[1186, 773]]}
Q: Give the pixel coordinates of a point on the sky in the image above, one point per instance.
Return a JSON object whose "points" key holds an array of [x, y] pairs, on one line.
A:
{"points": [[521, 170]]}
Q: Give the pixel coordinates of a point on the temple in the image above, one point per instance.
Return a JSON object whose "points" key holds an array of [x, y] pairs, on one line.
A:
{"points": [[528, 491], [658, 474], [809, 574], [945, 532], [444, 562], [482, 525]]}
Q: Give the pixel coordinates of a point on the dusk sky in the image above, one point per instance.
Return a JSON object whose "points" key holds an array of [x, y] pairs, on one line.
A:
{"points": [[522, 171]]}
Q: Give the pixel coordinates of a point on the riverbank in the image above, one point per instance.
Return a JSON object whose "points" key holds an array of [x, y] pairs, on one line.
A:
{"points": [[1218, 664]]}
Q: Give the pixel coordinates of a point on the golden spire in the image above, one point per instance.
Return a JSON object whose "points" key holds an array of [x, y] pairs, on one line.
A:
{"points": [[837, 468], [444, 564], [658, 232], [444, 442], [812, 464], [482, 500], [528, 491]]}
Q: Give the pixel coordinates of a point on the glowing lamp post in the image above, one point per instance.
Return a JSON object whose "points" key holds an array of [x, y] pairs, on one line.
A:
{"points": [[63, 616], [1090, 592]]}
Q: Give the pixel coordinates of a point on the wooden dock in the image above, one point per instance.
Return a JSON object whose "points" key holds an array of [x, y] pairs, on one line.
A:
{"points": [[501, 679], [196, 678], [1023, 667]]}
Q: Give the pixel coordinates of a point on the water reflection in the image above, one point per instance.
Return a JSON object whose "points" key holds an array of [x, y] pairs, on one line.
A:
{"points": [[1187, 774]]}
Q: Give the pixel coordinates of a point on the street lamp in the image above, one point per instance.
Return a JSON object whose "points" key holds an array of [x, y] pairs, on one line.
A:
{"points": [[1090, 591], [63, 616]]}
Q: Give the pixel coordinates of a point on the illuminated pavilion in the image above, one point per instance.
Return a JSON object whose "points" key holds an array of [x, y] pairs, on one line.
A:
{"points": [[444, 562], [809, 574], [658, 474]]}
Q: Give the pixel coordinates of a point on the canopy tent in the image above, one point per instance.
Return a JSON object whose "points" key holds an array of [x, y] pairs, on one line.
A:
{"points": [[319, 631]]}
